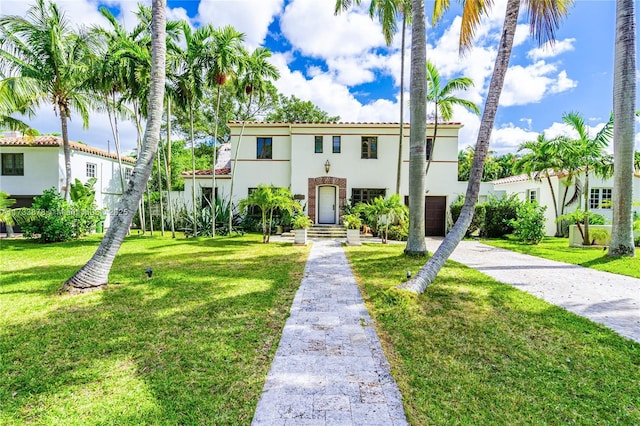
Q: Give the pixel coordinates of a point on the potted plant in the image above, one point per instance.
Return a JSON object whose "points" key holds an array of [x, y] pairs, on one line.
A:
{"points": [[353, 223], [300, 225]]}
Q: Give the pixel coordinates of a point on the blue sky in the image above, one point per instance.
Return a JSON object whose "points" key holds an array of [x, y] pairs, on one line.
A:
{"points": [[342, 64]]}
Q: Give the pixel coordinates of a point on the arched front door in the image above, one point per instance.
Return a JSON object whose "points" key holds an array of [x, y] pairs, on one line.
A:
{"points": [[327, 204]]}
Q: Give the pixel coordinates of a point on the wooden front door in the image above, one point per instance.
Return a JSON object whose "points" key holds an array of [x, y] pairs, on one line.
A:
{"points": [[435, 215]]}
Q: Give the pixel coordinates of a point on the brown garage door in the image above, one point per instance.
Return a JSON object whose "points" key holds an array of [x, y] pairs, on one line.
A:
{"points": [[435, 213]]}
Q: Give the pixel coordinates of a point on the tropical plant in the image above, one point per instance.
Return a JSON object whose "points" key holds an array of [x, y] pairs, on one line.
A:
{"points": [[579, 217], [224, 60], [187, 87], [444, 98], [538, 163], [47, 61], [589, 152], [352, 221], [528, 227], [13, 216], [387, 12], [267, 199], [253, 82], [385, 212], [544, 18], [95, 273], [477, 223], [624, 94], [301, 221]]}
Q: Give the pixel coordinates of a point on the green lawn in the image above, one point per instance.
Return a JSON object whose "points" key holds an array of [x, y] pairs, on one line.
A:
{"points": [[472, 351], [558, 249], [192, 345]]}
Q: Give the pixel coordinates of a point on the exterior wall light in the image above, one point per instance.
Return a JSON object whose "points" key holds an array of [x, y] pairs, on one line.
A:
{"points": [[327, 166]]}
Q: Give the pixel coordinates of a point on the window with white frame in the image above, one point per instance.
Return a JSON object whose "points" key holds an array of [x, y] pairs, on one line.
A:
{"points": [[600, 198], [127, 174], [91, 170], [532, 195]]}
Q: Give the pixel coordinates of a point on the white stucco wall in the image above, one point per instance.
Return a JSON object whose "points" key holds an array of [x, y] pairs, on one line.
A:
{"points": [[41, 171]]}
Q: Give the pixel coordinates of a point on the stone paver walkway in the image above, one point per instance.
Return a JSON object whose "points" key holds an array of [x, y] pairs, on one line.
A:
{"points": [[603, 297], [329, 368]]}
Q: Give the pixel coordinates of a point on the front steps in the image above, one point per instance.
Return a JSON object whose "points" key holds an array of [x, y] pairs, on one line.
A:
{"points": [[326, 231]]}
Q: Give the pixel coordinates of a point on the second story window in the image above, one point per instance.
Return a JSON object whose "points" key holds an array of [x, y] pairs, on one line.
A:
{"points": [[318, 145], [429, 151], [369, 147], [336, 144], [13, 164], [91, 170], [264, 148]]}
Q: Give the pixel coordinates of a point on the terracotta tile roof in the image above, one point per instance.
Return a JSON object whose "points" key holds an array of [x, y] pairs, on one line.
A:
{"points": [[338, 123], [524, 178], [35, 141]]}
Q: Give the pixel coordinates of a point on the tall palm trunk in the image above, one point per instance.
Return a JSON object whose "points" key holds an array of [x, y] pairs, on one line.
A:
{"points": [[418, 106], [193, 173], [585, 238], [624, 96], [113, 123], [95, 273], [430, 270], [160, 192], [213, 168], [235, 164], [67, 152], [433, 142], [555, 203], [401, 138], [167, 171]]}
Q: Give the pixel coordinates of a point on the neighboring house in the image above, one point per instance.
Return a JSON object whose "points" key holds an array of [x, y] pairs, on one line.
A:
{"points": [[600, 192], [327, 165], [31, 164]]}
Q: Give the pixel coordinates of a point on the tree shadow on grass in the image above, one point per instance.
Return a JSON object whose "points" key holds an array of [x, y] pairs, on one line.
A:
{"points": [[482, 352], [192, 345]]}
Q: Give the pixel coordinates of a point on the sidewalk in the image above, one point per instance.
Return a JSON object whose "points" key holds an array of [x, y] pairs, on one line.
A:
{"points": [[603, 297], [329, 368]]}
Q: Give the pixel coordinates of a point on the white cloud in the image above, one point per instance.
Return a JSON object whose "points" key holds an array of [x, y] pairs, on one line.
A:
{"points": [[251, 17], [525, 85], [312, 28], [507, 138], [550, 50]]}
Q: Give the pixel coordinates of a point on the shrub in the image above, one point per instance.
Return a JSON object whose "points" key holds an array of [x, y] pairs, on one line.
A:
{"points": [[302, 221], [499, 216], [399, 232], [528, 227], [478, 216], [55, 220], [599, 236], [352, 221]]}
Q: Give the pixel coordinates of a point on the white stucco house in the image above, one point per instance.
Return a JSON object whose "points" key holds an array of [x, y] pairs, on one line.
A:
{"points": [[326, 165], [600, 191], [31, 165]]}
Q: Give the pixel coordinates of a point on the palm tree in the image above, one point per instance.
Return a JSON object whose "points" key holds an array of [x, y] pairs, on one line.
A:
{"points": [[590, 154], [624, 94], [541, 158], [385, 212], [544, 19], [387, 12], [10, 216], [267, 199], [188, 88], [418, 128], [47, 59], [444, 98], [95, 273], [252, 82], [223, 59]]}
